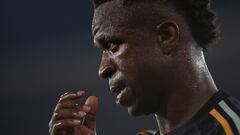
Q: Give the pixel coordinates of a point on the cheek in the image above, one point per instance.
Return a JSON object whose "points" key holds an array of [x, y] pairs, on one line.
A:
{"points": [[146, 80], [138, 69]]}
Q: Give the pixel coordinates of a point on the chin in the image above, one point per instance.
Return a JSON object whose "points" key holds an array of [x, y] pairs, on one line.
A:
{"points": [[144, 108], [136, 111], [133, 112]]}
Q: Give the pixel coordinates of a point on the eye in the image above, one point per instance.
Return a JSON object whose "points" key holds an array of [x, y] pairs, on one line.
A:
{"points": [[113, 46]]}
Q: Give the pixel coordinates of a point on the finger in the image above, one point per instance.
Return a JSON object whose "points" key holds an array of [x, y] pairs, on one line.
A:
{"points": [[71, 105], [91, 101], [68, 114], [64, 113], [83, 130], [63, 106], [67, 104], [72, 95], [70, 92], [63, 124]]}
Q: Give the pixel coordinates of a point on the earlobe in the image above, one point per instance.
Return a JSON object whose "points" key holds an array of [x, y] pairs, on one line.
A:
{"points": [[167, 36]]}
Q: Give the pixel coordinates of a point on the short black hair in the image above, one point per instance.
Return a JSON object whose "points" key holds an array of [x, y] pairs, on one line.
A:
{"points": [[198, 14]]}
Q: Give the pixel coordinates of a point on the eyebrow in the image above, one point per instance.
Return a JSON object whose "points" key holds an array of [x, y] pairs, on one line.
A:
{"points": [[98, 41]]}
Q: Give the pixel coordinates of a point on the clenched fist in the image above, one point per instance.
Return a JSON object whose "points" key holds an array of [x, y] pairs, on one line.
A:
{"points": [[73, 117]]}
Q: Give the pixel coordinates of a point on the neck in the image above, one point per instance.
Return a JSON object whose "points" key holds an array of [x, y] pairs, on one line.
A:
{"points": [[194, 88]]}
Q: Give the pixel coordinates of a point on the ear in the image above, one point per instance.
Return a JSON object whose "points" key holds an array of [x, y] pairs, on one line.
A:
{"points": [[167, 36]]}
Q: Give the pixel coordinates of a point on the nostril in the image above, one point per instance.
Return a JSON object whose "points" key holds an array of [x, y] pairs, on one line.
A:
{"points": [[106, 73]]}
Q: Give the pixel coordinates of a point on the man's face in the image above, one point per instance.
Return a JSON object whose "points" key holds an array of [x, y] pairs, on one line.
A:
{"points": [[131, 58]]}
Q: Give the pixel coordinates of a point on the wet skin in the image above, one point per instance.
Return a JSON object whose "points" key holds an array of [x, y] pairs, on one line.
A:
{"points": [[154, 66], [132, 60]]}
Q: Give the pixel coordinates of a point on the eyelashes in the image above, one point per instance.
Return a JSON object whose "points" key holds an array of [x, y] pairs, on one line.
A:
{"points": [[113, 46], [109, 44]]}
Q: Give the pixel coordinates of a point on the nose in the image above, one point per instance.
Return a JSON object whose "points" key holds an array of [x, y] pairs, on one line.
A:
{"points": [[106, 68]]}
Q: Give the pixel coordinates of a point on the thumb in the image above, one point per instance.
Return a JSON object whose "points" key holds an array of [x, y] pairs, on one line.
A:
{"points": [[90, 122]]}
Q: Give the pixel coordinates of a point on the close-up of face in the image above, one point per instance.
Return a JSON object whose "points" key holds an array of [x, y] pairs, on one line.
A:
{"points": [[158, 60], [132, 60]]}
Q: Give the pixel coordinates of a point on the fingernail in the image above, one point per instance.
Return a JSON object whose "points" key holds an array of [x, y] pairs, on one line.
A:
{"points": [[80, 92], [86, 108], [82, 114], [76, 121]]}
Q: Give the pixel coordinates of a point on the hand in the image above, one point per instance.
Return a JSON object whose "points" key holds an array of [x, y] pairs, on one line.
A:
{"points": [[71, 117]]}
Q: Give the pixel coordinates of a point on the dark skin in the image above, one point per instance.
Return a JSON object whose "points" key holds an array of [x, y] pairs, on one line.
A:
{"points": [[153, 64], [69, 113]]}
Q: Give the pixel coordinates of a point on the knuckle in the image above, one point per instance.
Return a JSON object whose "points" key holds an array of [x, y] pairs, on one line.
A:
{"points": [[57, 107], [56, 112], [67, 93], [58, 124], [65, 98], [50, 124], [55, 116], [64, 94]]}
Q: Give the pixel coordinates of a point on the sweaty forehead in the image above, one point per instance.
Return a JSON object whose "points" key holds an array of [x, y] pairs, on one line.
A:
{"points": [[109, 14], [114, 15]]}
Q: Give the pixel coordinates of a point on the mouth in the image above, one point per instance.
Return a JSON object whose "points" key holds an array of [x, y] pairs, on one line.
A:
{"points": [[121, 92], [120, 99], [116, 88]]}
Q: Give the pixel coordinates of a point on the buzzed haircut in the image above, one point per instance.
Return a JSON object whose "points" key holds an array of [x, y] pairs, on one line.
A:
{"points": [[197, 13]]}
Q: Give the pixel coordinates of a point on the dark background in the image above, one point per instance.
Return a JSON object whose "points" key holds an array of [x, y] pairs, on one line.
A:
{"points": [[46, 49]]}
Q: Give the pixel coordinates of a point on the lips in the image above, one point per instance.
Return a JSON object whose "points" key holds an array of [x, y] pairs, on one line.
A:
{"points": [[116, 85], [116, 88], [123, 94], [119, 91], [119, 88]]}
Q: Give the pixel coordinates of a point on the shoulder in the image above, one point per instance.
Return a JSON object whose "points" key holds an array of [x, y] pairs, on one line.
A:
{"points": [[226, 113], [219, 116]]}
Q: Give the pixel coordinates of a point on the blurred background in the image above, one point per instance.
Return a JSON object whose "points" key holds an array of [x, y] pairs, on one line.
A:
{"points": [[46, 49]]}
